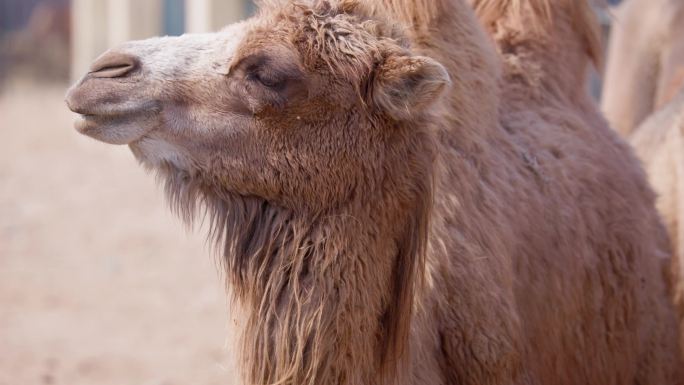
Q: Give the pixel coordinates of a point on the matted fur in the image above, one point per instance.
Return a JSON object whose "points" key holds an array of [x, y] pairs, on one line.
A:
{"points": [[267, 250]]}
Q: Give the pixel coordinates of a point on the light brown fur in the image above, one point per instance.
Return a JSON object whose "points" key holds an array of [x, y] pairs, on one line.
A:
{"points": [[659, 143], [645, 71], [645, 66], [375, 233]]}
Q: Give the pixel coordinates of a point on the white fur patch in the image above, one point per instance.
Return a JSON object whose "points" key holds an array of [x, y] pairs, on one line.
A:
{"points": [[155, 152]]}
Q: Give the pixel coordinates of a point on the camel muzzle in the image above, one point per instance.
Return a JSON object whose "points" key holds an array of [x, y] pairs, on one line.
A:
{"points": [[110, 100]]}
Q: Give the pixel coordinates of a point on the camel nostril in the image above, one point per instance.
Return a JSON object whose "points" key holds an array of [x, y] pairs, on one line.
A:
{"points": [[114, 65]]}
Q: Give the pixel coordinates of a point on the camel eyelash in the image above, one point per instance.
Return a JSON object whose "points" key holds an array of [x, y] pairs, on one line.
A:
{"points": [[268, 81], [257, 73]]}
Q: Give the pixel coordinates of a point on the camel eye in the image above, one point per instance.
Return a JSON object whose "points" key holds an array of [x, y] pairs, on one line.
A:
{"points": [[268, 80]]}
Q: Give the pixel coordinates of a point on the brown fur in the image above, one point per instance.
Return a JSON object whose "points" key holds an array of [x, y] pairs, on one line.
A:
{"points": [[645, 66], [537, 20], [645, 71], [375, 233]]}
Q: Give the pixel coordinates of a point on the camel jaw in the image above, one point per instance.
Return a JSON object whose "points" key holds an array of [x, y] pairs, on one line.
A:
{"points": [[157, 153]]}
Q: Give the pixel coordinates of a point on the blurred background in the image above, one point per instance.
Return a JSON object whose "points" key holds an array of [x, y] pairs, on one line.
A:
{"points": [[99, 283]]}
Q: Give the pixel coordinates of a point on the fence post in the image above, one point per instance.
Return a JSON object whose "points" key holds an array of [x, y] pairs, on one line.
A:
{"points": [[212, 15], [102, 24], [133, 20], [89, 33]]}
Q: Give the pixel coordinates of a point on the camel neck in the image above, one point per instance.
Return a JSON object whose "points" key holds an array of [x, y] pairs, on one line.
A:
{"points": [[302, 283]]}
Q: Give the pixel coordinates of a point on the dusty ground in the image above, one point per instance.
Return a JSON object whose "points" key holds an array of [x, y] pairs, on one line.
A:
{"points": [[99, 283]]}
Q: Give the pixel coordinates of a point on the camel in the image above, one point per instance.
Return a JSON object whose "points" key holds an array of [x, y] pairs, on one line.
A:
{"points": [[645, 65], [659, 142], [393, 202], [645, 70]]}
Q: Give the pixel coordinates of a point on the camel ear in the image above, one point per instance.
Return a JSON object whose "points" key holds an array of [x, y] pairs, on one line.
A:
{"points": [[405, 85]]}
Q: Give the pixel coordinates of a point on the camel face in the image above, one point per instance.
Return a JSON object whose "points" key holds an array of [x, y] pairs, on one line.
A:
{"points": [[138, 87], [295, 105]]}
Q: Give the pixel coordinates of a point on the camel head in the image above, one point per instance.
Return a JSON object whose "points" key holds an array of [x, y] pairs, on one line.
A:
{"points": [[294, 105]]}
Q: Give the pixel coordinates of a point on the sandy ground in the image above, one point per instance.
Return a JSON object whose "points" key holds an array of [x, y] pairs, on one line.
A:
{"points": [[99, 283]]}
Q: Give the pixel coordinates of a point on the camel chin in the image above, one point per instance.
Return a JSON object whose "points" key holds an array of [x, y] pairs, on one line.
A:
{"points": [[157, 153]]}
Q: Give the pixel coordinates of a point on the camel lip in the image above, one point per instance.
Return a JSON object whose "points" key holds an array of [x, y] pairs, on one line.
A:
{"points": [[92, 125], [86, 122], [126, 109], [113, 117], [118, 126], [108, 98]]}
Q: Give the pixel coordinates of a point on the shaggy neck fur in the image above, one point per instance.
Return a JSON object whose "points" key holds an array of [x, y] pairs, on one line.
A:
{"points": [[326, 296]]}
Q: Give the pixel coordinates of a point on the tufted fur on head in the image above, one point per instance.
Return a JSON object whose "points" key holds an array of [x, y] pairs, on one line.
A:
{"points": [[357, 42]]}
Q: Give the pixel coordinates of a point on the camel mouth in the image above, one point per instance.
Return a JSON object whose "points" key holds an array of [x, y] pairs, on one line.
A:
{"points": [[118, 126], [114, 111]]}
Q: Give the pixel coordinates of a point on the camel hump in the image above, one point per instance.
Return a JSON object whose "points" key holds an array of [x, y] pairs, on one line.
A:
{"points": [[539, 17]]}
